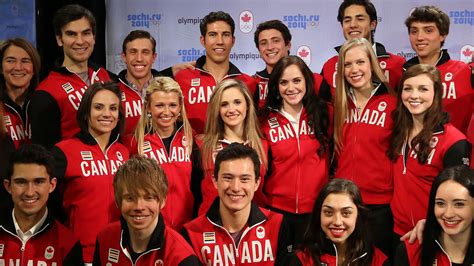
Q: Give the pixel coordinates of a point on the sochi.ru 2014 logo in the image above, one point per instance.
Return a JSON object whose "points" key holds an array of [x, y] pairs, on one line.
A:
{"points": [[246, 21], [304, 52], [467, 54]]}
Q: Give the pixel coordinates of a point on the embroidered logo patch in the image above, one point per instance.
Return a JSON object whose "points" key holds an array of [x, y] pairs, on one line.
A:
{"points": [[260, 232], [209, 237], [113, 255], [86, 155], [67, 87], [195, 82], [49, 252]]}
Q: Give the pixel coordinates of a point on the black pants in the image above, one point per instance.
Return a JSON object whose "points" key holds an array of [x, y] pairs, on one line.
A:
{"points": [[381, 228]]}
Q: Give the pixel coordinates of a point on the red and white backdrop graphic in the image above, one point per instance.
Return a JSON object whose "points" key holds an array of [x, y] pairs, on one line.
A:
{"points": [[313, 24]]}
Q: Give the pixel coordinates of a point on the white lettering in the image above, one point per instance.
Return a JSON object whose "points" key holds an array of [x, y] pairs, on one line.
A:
{"points": [[200, 95], [449, 92]]}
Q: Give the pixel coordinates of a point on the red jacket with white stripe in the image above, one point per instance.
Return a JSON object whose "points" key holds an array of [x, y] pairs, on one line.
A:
{"points": [[85, 174]]}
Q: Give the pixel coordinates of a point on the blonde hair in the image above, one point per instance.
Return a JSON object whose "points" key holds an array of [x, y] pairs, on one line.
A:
{"points": [[140, 174], [214, 130], [148, 126], [341, 107]]}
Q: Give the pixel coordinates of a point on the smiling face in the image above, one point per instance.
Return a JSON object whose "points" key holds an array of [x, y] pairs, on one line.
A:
{"points": [[292, 88], [236, 185], [139, 58], [17, 68], [77, 41], [29, 186], [218, 42], [426, 40], [418, 95], [338, 217], [272, 47], [165, 110], [141, 211], [233, 108], [454, 209], [357, 69], [356, 23], [104, 113]]}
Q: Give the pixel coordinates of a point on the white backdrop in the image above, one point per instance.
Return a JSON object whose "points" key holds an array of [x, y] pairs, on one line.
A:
{"points": [[313, 24]]}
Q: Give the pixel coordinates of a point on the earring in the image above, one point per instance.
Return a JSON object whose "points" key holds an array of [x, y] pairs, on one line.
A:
{"points": [[148, 115]]}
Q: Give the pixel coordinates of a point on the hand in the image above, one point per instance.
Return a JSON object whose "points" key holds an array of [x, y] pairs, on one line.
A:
{"points": [[415, 233], [178, 67]]}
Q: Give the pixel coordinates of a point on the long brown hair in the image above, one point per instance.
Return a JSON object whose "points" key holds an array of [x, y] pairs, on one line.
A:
{"points": [[148, 126], [403, 120], [341, 107], [215, 126]]}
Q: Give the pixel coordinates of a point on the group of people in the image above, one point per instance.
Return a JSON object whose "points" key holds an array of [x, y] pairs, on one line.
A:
{"points": [[204, 165]]}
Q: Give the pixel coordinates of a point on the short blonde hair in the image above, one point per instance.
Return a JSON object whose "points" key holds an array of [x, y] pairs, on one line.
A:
{"points": [[140, 174]]}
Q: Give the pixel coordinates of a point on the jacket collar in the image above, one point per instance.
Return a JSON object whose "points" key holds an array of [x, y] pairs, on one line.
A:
{"points": [[123, 76], [233, 70], [263, 74], [443, 58], [256, 215], [6, 222], [157, 238], [58, 67], [379, 50], [88, 139]]}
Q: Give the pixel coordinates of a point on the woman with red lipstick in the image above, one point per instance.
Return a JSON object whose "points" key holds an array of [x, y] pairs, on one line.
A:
{"points": [[295, 125], [447, 238], [423, 143], [86, 164], [163, 133], [20, 67], [362, 125], [338, 230], [231, 117]]}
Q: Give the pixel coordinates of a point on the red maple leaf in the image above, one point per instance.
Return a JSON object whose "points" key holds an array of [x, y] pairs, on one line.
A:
{"points": [[303, 53], [246, 18], [467, 52]]}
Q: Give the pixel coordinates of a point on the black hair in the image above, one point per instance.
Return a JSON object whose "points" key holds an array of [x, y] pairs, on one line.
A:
{"points": [[276, 25], [84, 110], [237, 151], [214, 17], [31, 154], [138, 34], [69, 13]]}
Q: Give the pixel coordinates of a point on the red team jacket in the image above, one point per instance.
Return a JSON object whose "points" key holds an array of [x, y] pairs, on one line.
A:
{"points": [[52, 245], [366, 137], [16, 123], [458, 92], [263, 241], [262, 79], [410, 255], [392, 66], [177, 166], [197, 86], [86, 177], [132, 106], [297, 172], [209, 192], [55, 103], [329, 258], [166, 247], [412, 180]]}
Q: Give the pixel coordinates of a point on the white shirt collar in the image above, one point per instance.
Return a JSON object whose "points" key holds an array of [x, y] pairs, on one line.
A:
{"points": [[33, 230]]}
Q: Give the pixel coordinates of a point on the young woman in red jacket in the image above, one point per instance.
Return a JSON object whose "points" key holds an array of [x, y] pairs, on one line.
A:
{"points": [[338, 230], [362, 126], [295, 125], [231, 117], [164, 134], [447, 237]]}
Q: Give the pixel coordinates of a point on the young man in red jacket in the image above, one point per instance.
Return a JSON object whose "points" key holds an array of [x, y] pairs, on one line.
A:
{"points": [[29, 235], [236, 231], [217, 37], [56, 100], [141, 236], [358, 19], [428, 28]]}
